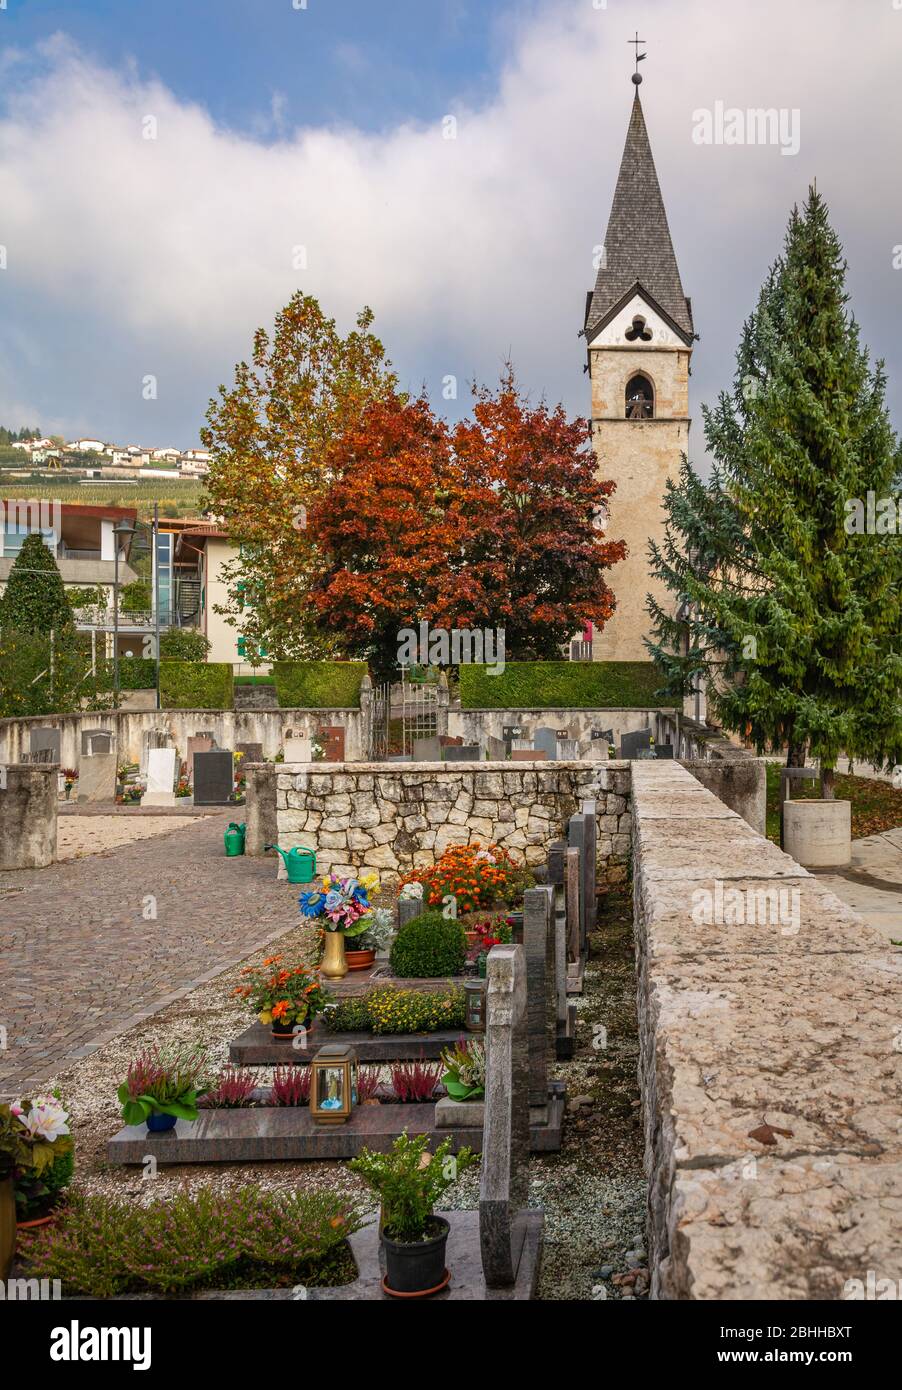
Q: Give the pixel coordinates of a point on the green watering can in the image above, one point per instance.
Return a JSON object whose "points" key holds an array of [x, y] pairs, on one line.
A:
{"points": [[300, 863], [234, 840]]}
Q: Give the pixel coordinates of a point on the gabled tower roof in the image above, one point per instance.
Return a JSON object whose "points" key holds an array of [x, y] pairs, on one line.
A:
{"points": [[638, 248]]}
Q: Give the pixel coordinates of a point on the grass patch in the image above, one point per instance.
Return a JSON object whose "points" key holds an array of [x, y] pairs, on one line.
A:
{"points": [[876, 806]]}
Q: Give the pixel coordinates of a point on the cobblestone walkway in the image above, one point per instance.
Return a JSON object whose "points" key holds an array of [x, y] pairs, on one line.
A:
{"points": [[80, 961]]}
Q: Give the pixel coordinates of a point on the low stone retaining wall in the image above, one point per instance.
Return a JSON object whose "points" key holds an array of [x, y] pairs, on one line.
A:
{"points": [[362, 815], [769, 1029]]}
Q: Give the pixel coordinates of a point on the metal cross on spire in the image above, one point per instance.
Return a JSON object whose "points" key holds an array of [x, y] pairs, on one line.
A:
{"points": [[637, 76]]}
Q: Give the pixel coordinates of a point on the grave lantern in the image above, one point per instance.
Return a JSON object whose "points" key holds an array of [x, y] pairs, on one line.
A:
{"points": [[474, 994], [333, 1084]]}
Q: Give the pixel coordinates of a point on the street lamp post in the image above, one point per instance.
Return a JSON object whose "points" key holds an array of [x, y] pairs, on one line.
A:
{"points": [[120, 531]]}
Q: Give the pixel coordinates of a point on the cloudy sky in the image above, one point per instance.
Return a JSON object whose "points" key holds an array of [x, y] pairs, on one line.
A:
{"points": [[278, 125]]}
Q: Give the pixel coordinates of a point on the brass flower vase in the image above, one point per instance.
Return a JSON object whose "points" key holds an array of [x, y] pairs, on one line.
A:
{"points": [[334, 965]]}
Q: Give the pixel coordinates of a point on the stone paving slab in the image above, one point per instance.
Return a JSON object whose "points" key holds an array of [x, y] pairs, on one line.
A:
{"points": [[783, 1229], [81, 963]]}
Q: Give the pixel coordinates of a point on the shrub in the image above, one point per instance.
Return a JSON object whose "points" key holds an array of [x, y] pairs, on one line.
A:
{"points": [[183, 644], [135, 673], [368, 1083], [290, 1086], [164, 1081], [318, 684], [388, 1009], [475, 876], [409, 1181], [562, 685], [196, 685], [250, 1238], [414, 1081], [428, 946], [135, 597]]}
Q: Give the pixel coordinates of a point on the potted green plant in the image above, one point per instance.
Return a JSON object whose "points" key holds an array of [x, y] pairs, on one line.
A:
{"points": [[285, 997], [369, 934], [464, 1074], [163, 1085], [47, 1161], [409, 1180], [29, 1134]]}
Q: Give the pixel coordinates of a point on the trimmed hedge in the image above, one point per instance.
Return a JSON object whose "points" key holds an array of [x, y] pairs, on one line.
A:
{"points": [[318, 684], [135, 673], [196, 685], [427, 947], [561, 685]]}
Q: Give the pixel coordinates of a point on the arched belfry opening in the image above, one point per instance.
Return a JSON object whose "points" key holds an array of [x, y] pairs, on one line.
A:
{"points": [[640, 398]]}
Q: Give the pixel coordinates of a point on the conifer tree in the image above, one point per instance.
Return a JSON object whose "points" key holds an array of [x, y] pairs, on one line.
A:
{"points": [[35, 598], [788, 605]]}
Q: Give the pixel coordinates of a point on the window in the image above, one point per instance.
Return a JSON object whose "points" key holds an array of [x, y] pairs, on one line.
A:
{"points": [[640, 399], [639, 329]]}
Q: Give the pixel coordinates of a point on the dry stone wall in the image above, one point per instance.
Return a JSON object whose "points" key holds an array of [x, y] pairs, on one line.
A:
{"points": [[367, 815], [768, 1015]]}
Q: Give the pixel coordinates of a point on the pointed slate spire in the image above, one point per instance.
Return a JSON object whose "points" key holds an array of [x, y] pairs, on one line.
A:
{"points": [[637, 247]]}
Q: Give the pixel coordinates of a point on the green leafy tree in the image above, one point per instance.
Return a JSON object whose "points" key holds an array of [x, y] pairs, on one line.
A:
{"points": [[35, 598], [790, 609], [183, 644], [269, 436], [40, 675]]}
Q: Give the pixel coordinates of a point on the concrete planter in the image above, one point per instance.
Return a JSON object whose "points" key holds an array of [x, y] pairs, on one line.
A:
{"points": [[818, 834], [455, 1114]]}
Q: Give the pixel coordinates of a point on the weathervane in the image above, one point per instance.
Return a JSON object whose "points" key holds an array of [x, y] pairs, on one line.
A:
{"points": [[637, 76]]}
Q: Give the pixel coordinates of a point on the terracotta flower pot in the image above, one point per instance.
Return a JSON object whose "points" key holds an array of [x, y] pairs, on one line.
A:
{"points": [[284, 1032], [360, 960], [35, 1222]]}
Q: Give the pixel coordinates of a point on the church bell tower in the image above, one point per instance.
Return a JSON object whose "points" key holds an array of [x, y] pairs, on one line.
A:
{"points": [[639, 335]]}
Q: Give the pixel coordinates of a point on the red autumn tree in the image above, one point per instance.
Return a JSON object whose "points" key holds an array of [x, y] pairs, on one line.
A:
{"points": [[530, 510], [382, 529]]}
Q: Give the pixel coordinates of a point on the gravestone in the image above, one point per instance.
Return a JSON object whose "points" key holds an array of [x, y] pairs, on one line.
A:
{"points": [[572, 876], [521, 745], [589, 868], [198, 743], [41, 755], [44, 740], [463, 753], [528, 755], [631, 745], [496, 749], [510, 733], [504, 1181], [95, 742], [253, 752], [153, 738], [427, 750], [577, 838], [663, 750], [538, 943], [213, 777], [408, 908], [568, 750], [400, 758], [332, 737], [160, 778], [97, 778], [546, 740]]}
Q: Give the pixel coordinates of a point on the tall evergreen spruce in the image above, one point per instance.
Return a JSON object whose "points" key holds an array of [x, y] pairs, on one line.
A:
{"points": [[787, 605], [34, 600]]}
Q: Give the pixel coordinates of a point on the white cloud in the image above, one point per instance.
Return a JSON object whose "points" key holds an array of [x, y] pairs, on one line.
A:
{"points": [[128, 255]]}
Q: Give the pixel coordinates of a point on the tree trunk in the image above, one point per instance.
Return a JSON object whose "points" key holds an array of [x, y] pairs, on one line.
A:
{"points": [[795, 756], [827, 774]]}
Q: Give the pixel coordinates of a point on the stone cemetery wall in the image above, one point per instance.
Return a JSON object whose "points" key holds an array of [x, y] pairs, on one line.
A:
{"points": [[769, 1075], [358, 815], [479, 725], [128, 729]]}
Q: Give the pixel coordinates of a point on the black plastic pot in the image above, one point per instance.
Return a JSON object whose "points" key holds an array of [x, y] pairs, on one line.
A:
{"points": [[417, 1267]]}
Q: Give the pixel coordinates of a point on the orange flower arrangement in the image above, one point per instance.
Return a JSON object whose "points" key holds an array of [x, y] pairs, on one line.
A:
{"points": [[477, 876], [291, 995]]}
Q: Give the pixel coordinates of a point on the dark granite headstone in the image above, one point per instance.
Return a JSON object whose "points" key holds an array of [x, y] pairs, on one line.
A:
{"points": [[577, 838], [95, 742], [213, 777], [631, 745], [503, 1185], [45, 740], [463, 753], [663, 750], [538, 942], [332, 737], [589, 868]]}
